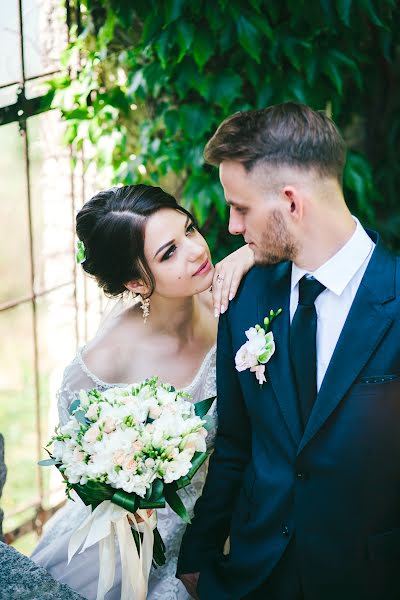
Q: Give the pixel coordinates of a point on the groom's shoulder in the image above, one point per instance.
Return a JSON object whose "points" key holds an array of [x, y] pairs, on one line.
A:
{"points": [[261, 278]]}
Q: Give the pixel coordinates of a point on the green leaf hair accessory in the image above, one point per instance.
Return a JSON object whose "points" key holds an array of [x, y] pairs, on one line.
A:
{"points": [[80, 255]]}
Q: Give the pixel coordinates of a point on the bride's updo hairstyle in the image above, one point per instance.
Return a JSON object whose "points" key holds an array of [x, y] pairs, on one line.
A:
{"points": [[112, 227]]}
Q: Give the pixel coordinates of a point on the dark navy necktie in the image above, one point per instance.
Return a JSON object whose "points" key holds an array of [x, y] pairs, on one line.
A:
{"points": [[303, 350]]}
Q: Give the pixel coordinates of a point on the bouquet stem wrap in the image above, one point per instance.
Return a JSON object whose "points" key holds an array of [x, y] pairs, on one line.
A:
{"points": [[101, 525]]}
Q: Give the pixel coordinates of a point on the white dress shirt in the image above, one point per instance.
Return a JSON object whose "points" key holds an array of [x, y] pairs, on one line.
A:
{"points": [[341, 275]]}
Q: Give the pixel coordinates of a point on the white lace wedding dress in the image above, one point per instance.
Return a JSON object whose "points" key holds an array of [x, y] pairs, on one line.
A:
{"points": [[82, 572]]}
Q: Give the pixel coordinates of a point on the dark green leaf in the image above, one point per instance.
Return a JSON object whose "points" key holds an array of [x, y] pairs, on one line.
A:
{"points": [[163, 45], [201, 48], [249, 38], [195, 120], [159, 549], [171, 119], [370, 10], [176, 503], [198, 459], [185, 34], [158, 490], [173, 9], [128, 501], [331, 70], [343, 8], [152, 26], [201, 408], [94, 492]]}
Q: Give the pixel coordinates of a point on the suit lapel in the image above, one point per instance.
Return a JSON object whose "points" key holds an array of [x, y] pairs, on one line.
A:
{"points": [[365, 326], [279, 370]]}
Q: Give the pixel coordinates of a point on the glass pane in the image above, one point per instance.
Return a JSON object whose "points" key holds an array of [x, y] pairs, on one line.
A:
{"points": [[36, 87], [8, 95], [45, 35], [17, 410], [50, 177], [90, 306], [57, 347], [14, 241], [10, 60]]}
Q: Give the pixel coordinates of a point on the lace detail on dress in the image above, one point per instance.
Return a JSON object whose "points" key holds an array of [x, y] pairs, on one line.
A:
{"points": [[163, 584]]}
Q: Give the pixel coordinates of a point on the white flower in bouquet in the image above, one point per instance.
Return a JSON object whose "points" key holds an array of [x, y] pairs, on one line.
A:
{"points": [[127, 449]]}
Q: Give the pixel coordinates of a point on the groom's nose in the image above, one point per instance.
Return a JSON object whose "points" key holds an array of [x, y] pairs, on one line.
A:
{"points": [[236, 224]]}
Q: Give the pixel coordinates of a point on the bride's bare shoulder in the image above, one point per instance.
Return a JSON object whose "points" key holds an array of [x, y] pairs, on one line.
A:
{"points": [[105, 355]]}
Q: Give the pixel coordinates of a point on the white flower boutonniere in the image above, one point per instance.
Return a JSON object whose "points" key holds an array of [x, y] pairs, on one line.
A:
{"points": [[258, 349]]}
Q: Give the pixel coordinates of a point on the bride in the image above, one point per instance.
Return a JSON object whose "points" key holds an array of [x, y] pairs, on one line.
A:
{"points": [[138, 238]]}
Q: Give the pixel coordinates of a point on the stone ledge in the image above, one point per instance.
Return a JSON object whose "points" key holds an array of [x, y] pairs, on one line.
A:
{"points": [[22, 579]]}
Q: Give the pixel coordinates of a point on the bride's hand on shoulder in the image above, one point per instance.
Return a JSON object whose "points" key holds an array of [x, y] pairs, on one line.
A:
{"points": [[228, 274]]}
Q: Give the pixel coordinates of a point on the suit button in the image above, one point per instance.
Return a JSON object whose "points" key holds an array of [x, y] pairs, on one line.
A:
{"points": [[285, 530], [300, 475]]}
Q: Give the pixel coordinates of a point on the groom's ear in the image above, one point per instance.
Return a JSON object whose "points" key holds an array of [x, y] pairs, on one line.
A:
{"points": [[294, 202], [137, 286]]}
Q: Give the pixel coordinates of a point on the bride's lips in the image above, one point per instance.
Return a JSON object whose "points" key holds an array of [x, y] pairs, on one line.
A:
{"points": [[204, 268]]}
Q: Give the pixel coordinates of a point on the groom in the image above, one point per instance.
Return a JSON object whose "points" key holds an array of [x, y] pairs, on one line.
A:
{"points": [[305, 477]]}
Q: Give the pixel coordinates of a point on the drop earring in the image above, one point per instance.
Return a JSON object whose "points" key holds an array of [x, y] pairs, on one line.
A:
{"points": [[145, 306]]}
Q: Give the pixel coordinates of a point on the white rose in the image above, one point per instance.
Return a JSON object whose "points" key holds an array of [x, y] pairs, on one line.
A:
{"points": [[195, 442], [91, 434], [155, 412], [245, 359], [165, 397], [109, 424], [91, 413]]}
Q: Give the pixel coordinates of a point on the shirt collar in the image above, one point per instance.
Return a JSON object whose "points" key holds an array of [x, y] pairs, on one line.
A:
{"points": [[337, 272]]}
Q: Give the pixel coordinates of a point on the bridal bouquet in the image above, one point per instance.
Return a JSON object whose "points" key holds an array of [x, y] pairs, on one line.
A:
{"points": [[124, 451]]}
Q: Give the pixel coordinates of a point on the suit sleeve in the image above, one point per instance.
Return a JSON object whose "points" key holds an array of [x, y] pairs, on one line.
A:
{"points": [[205, 537]]}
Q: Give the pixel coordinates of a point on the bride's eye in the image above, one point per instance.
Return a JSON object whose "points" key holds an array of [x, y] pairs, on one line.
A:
{"points": [[190, 229], [168, 253]]}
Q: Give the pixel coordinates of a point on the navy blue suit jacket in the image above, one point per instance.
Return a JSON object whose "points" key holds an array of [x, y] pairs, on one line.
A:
{"points": [[336, 486]]}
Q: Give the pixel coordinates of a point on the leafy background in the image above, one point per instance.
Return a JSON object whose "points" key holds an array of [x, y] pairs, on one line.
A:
{"points": [[150, 81]]}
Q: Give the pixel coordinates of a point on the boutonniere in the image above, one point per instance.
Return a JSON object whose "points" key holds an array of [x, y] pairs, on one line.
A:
{"points": [[258, 349]]}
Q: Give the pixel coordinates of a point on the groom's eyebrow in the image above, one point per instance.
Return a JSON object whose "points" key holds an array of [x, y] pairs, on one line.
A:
{"points": [[171, 241]]}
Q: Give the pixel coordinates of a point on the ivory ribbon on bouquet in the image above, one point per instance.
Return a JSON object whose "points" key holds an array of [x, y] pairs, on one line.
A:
{"points": [[101, 525]]}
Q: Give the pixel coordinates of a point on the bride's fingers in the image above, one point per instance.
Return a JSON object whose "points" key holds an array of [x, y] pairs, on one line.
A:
{"points": [[222, 290], [139, 519], [234, 285], [226, 288], [217, 289]]}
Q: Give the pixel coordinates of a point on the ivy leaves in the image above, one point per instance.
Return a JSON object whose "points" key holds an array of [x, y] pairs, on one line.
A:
{"points": [[185, 66]]}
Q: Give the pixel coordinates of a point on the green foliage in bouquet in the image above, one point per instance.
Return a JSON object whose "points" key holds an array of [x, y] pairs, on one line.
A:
{"points": [[158, 493], [154, 80]]}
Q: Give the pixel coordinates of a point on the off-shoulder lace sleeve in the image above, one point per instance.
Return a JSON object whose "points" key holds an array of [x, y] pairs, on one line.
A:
{"points": [[76, 377]]}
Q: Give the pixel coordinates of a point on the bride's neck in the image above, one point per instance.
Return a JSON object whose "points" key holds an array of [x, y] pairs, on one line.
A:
{"points": [[176, 317]]}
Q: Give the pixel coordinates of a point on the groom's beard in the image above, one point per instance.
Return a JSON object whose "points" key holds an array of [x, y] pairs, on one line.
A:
{"points": [[277, 244]]}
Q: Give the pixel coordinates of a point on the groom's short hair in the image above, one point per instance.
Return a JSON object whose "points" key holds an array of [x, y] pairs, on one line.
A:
{"points": [[288, 134]]}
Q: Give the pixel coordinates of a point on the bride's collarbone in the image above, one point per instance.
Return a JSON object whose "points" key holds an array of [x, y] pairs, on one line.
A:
{"points": [[171, 365]]}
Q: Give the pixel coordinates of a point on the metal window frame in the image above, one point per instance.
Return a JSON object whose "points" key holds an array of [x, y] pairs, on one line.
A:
{"points": [[19, 112]]}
